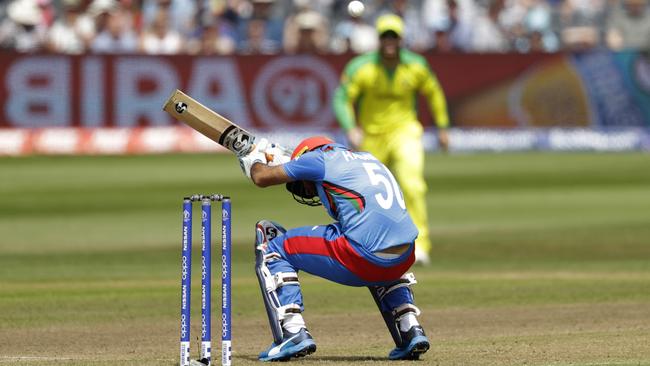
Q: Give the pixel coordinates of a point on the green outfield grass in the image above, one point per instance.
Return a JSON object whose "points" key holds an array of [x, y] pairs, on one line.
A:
{"points": [[540, 259]]}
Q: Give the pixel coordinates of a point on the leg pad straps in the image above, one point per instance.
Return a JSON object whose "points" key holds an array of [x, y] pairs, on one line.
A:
{"points": [[273, 282], [285, 310], [407, 279], [402, 310]]}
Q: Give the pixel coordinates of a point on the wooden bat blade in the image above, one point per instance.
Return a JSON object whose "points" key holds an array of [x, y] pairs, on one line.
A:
{"points": [[209, 123]]}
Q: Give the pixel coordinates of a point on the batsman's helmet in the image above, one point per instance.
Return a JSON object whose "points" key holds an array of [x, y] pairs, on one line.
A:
{"points": [[310, 144], [304, 191]]}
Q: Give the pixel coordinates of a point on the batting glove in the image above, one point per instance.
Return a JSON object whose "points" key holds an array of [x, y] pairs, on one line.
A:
{"points": [[277, 155], [255, 156]]}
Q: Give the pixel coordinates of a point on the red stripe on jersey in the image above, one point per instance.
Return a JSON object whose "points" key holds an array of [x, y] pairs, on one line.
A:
{"points": [[354, 197], [341, 250], [331, 201]]}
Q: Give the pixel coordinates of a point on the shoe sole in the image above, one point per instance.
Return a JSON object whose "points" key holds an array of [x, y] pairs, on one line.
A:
{"points": [[419, 347], [309, 349]]}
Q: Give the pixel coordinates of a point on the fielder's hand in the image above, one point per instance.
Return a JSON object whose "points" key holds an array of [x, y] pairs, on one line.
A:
{"points": [[443, 140], [255, 156], [355, 137], [277, 155]]}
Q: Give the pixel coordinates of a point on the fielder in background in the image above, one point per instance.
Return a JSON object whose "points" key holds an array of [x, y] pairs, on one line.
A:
{"points": [[383, 87], [371, 242]]}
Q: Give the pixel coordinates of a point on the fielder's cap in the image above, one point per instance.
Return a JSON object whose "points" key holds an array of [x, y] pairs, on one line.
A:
{"points": [[24, 12], [390, 22]]}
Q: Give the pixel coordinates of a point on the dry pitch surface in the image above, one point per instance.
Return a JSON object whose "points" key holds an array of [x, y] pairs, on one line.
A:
{"points": [[596, 334]]}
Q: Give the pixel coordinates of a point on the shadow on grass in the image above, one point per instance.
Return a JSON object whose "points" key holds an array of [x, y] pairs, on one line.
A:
{"points": [[324, 358]]}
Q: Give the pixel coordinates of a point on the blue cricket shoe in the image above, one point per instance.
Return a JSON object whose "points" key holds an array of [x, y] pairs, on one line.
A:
{"points": [[414, 343], [298, 344]]}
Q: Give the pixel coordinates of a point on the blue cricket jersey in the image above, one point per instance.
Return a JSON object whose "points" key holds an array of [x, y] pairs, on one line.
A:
{"points": [[360, 193]]}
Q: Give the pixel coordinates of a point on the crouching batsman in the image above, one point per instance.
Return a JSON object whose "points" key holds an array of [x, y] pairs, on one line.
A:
{"points": [[370, 243]]}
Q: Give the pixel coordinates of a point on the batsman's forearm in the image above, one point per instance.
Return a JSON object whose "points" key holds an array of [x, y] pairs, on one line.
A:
{"points": [[343, 109], [263, 175]]}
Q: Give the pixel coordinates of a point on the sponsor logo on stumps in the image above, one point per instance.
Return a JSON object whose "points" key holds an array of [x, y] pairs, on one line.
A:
{"points": [[186, 269]]}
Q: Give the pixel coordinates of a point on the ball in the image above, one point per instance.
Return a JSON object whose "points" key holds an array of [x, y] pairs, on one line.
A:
{"points": [[356, 8]]}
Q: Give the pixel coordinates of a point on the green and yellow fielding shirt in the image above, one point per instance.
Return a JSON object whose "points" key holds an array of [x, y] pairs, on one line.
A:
{"points": [[387, 98]]}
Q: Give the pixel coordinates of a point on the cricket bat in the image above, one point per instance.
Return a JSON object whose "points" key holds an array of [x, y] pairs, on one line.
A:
{"points": [[209, 123]]}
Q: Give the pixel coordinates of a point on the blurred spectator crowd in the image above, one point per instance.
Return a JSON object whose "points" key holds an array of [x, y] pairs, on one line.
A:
{"points": [[222, 27]]}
